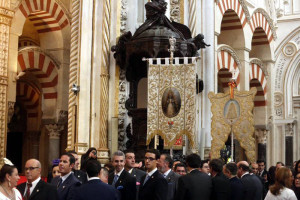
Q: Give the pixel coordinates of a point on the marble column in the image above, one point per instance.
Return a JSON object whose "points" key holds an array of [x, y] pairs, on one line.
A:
{"points": [[289, 133], [54, 140], [205, 24], [5, 22]]}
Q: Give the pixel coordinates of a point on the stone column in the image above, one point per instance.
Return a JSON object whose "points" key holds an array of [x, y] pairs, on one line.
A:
{"points": [[289, 133], [5, 22], [104, 77], [54, 140], [204, 24], [73, 74], [261, 138]]}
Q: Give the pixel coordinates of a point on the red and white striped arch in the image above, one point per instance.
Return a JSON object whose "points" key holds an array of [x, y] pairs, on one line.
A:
{"points": [[30, 98], [258, 20], [46, 15], [226, 61], [257, 79], [43, 67], [235, 5]]}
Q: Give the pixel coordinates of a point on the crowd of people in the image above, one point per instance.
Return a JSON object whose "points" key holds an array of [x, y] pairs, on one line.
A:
{"points": [[159, 178]]}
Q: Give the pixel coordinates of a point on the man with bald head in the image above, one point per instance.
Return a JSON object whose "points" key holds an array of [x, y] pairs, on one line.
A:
{"points": [[253, 186], [35, 188]]}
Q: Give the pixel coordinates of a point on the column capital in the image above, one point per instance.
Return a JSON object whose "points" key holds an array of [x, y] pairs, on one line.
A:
{"points": [[6, 16], [261, 136], [54, 130]]}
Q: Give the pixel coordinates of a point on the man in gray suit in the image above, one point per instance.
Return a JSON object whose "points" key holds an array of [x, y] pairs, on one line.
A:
{"points": [[164, 165]]}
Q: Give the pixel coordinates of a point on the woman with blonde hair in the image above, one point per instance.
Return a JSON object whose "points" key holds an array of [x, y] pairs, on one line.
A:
{"points": [[281, 189], [9, 178]]}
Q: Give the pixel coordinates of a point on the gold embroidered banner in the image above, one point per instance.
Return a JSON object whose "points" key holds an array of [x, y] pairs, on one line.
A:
{"points": [[171, 102], [237, 113]]}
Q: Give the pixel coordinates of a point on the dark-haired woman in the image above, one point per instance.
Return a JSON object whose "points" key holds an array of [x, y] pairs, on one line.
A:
{"points": [[90, 154], [296, 187], [281, 189], [9, 178], [297, 168]]}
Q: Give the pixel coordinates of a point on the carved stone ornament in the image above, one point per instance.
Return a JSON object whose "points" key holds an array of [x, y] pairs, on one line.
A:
{"points": [[81, 148], [261, 136], [243, 128], [289, 130], [278, 99], [231, 51], [54, 130], [175, 10], [124, 13], [290, 49], [278, 112], [261, 65]]}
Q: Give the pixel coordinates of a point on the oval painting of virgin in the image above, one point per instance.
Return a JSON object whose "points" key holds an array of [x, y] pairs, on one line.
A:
{"points": [[171, 102]]}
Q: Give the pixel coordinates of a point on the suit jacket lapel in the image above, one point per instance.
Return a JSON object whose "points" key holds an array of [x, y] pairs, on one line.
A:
{"points": [[63, 185], [37, 189], [168, 177], [150, 179]]}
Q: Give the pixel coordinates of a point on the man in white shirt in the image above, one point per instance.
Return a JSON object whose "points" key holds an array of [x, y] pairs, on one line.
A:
{"points": [[35, 188], [153, 185], [121, 179], [164, 165]]}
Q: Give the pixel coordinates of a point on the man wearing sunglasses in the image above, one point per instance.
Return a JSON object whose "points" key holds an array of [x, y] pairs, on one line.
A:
{"points": [[153, 185], [35, 188]]}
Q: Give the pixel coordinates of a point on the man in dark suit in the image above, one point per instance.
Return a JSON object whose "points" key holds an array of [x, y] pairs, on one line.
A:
{"points": [[237, 188], [253, 186], [95, 189], [262, 172], [195, 185], [221, 185], [80, 175], [180, 169], [67, 182], [35, 188], [153, 185], [164, 165], [121, 179], [130, 168]]}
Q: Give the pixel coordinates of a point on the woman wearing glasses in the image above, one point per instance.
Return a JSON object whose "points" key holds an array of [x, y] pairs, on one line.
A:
{"points": [[296, 185], [9, 178]]}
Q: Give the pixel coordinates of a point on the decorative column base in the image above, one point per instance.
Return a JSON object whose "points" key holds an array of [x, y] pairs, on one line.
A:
{"points": [[103, 155]]}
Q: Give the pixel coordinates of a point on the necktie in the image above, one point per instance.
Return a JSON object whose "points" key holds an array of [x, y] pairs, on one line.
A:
{"points": [[165, 176], [146, 179], [59, 182], [115, 179], [27, 195]]}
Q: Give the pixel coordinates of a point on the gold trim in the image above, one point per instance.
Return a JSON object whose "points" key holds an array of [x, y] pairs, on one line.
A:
{"points": [[182, 11]]}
